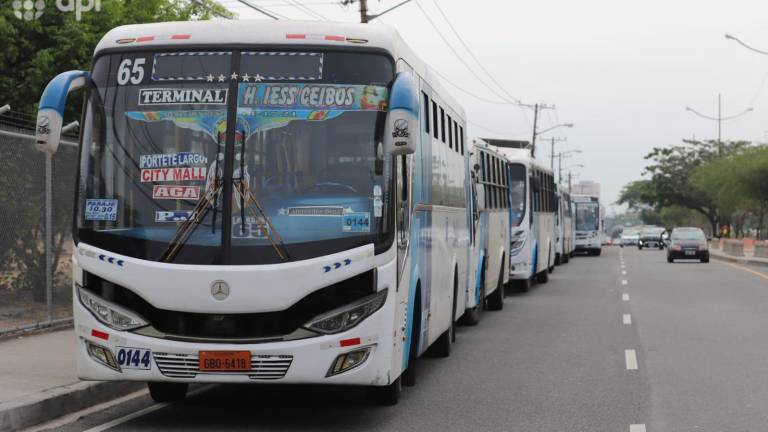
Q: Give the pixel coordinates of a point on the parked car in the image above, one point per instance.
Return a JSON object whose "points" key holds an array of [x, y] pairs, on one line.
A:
{"points": [[688, 243], [651, 237], [629, 238]]}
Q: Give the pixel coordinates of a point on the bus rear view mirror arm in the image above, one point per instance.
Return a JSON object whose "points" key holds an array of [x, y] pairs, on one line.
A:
{"points": [[403, 117], [50, 112]]}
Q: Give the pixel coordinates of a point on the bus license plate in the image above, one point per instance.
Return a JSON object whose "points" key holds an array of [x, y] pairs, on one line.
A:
{"points": [[224, 361], [690, 252]]}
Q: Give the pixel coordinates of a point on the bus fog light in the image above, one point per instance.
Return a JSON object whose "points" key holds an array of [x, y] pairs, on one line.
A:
{"points": [[346, 317], [102, 355], [348, 361]]}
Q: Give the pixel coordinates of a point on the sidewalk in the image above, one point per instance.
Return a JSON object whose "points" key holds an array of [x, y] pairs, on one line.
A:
{"points": [[38, 380], [746, 259]]}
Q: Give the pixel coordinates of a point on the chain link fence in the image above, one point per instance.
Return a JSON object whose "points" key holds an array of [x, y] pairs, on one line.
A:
{"points": [[26, 300]]}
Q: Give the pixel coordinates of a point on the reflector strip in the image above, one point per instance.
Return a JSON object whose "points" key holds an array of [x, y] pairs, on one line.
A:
{"points": [[335, 38], [295, 36], [145, 39], [349, 342], [181, 36], [101, 334]]}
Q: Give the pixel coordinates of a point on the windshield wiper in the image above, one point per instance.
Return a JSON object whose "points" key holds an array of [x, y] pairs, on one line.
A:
{"points": [[186, 228], [272, 234]]}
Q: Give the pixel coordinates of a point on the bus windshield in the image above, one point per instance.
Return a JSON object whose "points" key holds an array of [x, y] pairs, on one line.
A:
{"points": [[293, 140], [517, 199], [587, 216]]}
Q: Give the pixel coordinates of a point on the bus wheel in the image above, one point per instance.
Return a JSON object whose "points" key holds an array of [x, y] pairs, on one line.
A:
{"points": [[542, 277], [523, 285], [167, 392], [566, 258], [496, 299], [471, 316], [386, 395]]}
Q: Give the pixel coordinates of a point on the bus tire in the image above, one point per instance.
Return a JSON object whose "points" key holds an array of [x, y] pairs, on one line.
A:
{"points": [[542, 277], [496, 299], [387, 395], [558, 260], [566, 258], [167, 392], [522, 285]]}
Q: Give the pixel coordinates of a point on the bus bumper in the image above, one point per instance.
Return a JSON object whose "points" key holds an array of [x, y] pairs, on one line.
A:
{"points": [[305, 361]]}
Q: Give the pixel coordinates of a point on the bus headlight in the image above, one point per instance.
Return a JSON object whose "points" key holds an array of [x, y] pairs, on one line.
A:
{"points": [[109, 314], [346, 317], [517, 241]]}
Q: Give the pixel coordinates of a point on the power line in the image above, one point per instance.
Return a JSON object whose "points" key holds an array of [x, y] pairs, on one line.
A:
{"points": [[460, 57], [472, 54], [259, 9], [305, 10], [465, 91]]}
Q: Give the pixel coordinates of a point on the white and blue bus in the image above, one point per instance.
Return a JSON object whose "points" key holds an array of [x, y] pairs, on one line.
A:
{"points": [[489, 209], [589, 224], [280, 202], [533, 205], [565, 227]]}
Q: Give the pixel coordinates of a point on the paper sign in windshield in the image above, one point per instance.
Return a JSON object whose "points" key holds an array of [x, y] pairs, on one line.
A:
{"points": [[314, 97], [101, 209], [175, 192], [173, 216], [356, 222], [172, 174], [182, 159]]}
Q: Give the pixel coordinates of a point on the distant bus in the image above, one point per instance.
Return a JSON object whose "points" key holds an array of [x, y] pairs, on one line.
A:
{"points": [[532, 212], [589, 224], [266, 202], [490, 227], [565, 227]]}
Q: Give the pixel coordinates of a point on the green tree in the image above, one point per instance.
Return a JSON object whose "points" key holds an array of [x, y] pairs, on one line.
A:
{"points": [[670, 178], [33, 53], [36, 51]]}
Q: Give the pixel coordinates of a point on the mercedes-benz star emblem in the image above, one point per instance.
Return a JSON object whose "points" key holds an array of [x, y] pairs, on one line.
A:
{"points": [[220, 290]]}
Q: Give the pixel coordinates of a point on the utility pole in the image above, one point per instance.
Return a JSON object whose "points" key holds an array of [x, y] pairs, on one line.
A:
{"points": [[536, 108], [569, 183], [363, 11], [552, 152], [719, 119], [364, 16]]}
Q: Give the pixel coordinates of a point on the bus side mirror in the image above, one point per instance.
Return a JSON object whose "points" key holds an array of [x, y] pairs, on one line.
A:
{"points": [[403, 118], [50, 112]]}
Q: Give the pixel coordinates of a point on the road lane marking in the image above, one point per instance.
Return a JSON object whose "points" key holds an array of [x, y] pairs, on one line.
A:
{"points": [[754, 272], [141, 412], [637, 428], [631, 358], [623, 281], [627, 319], [623, 272], [625, 297]]}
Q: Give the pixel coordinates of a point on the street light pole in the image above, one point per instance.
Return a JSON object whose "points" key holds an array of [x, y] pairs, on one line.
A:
{"points": [[719, 119]]}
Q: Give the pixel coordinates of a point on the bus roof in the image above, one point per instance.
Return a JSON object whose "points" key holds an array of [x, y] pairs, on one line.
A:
{"points": [[233, 33]]}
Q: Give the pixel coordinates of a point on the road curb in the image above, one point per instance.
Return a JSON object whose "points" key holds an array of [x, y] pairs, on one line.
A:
{"points": [[740, 260], [59, 401]]}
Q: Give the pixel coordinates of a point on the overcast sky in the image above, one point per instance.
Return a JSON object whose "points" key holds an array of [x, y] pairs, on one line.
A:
{"points": [[622, 72]]}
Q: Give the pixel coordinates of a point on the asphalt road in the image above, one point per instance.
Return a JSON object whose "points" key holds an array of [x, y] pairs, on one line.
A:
{"points": [[664, 347]]}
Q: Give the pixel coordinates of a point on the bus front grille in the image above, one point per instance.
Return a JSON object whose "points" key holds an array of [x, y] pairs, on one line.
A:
{"points": [[263, 367]]}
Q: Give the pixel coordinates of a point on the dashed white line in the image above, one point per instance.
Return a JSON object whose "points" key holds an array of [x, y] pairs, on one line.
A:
{"points": [[627, 319], [631, 358], [623, 281], [637, 428], [623, 272], [625, 297]]}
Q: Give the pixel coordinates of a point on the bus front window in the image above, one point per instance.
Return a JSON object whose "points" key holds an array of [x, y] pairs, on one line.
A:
{"points": [[303, 134], [587, 216]]}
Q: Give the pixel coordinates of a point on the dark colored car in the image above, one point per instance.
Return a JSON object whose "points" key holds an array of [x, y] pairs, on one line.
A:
{"points": [[651, 237], [688, 243]]}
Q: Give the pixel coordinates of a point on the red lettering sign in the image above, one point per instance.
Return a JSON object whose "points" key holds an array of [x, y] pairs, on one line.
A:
{"points": [[173, 174], [175, 192]]}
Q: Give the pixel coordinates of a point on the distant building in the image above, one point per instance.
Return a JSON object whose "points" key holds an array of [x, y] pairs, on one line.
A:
{"points": [[586, 187]]}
